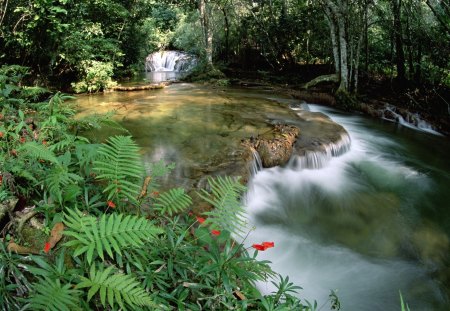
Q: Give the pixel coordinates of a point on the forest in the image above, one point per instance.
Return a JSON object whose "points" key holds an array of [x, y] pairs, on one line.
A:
{"points": [[92, 219]]}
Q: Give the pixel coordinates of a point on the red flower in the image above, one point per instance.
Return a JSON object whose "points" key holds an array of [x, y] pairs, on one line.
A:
{"points": [[200, 219], [22, 139], [44, 142], [263, 246], [47, 247], [215, 232], [111, 204], [1, 134], [155, 193], [1, 179], [268, 244], [259, 247]]}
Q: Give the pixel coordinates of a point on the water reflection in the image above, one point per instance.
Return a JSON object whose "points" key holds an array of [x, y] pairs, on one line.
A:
{"points": [[198, 128]]}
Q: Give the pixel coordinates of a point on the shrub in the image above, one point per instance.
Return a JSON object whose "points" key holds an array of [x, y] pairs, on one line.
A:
{"points": [[96, 76]]}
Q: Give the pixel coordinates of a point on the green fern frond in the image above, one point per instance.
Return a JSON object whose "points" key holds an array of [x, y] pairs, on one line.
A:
{"points": [[58, 178], [173, 201], [37, 151], [21, 171], [228, 212], [64, 143], [33, 92], [111, 233], [52, 295], [121, 167], [115, 288], [97, 121]]}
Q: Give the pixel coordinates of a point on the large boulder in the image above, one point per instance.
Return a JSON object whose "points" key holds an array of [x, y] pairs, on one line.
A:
{"points": [[275, 146]]}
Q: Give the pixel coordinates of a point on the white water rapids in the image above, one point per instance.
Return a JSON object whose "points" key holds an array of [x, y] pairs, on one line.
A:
{"points": [[348, 224]]}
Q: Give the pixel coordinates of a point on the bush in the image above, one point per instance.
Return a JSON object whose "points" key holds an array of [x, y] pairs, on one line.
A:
{"points": [[96, 77]]}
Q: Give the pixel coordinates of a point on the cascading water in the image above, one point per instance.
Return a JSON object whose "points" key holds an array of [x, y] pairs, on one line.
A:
{"points": [[170, 61], [347, 218], [408, 119]]}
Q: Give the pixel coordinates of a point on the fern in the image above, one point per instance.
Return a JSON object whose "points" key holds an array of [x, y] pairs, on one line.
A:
{"points": [[118, 288], [228, 212], [173, 201], [52, 295], [111, 232], [121, 167], [37, 151], [97, 121], [58, 179]]}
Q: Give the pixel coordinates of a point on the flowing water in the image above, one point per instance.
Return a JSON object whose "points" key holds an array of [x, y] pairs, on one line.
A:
{"points": [[368, 222]]}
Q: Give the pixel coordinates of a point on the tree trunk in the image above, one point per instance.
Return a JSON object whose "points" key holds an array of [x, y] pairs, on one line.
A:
{"points": [[399, 53], [366, 41], [227, 34], [334, 39], [343, 53], [207, 33]]}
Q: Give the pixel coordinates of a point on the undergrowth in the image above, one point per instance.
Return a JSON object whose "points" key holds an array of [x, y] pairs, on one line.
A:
{"points": [[112, 241]]}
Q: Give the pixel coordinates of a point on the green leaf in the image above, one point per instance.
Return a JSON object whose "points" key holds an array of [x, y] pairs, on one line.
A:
{"points": [[116, 287], [95, 237], [173, 201]]}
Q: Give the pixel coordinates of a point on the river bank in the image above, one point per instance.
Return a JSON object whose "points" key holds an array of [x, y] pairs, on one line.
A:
{"points": [[426, 109]]}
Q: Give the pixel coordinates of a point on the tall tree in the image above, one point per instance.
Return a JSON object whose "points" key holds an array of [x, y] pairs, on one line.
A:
{"points": [[398, 39], [203, 7]]}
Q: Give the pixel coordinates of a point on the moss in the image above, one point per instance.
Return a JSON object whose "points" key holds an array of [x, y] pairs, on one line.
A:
{"points": [[33, 237], [345, 100]]}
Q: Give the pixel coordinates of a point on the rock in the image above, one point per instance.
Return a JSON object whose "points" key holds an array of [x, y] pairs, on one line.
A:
{"points": [[274, 147], [140, 87]]}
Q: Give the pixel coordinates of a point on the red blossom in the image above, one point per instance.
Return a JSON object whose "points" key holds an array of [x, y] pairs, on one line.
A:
{"points": [[44, 142], [47, 247], [200, 219], [263, 246], [268, 244], [215, 232], [111, 204], [259, 247], [1, 179], [22, 139], [1, 134]]}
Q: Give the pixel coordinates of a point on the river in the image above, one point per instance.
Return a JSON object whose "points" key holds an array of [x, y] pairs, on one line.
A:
{"points": [[368, 224]]}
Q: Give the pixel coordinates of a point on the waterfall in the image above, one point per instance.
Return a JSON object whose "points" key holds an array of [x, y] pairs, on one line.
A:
{"points": [[170, 61], [408, 119], [257, 162], [315, 159]]}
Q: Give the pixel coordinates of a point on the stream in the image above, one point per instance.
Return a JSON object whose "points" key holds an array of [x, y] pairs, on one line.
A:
{"points": [[367, 224]]}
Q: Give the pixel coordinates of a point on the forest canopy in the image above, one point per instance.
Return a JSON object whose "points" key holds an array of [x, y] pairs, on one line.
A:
{"points": [[65, 41]]}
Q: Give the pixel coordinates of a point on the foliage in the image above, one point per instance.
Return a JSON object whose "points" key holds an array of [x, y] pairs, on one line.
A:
{"points": [[228, 212], [173, 201], [111, 233], [115, 258], [117, 288], [52, 295], [96, 76], [121, 167]]}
